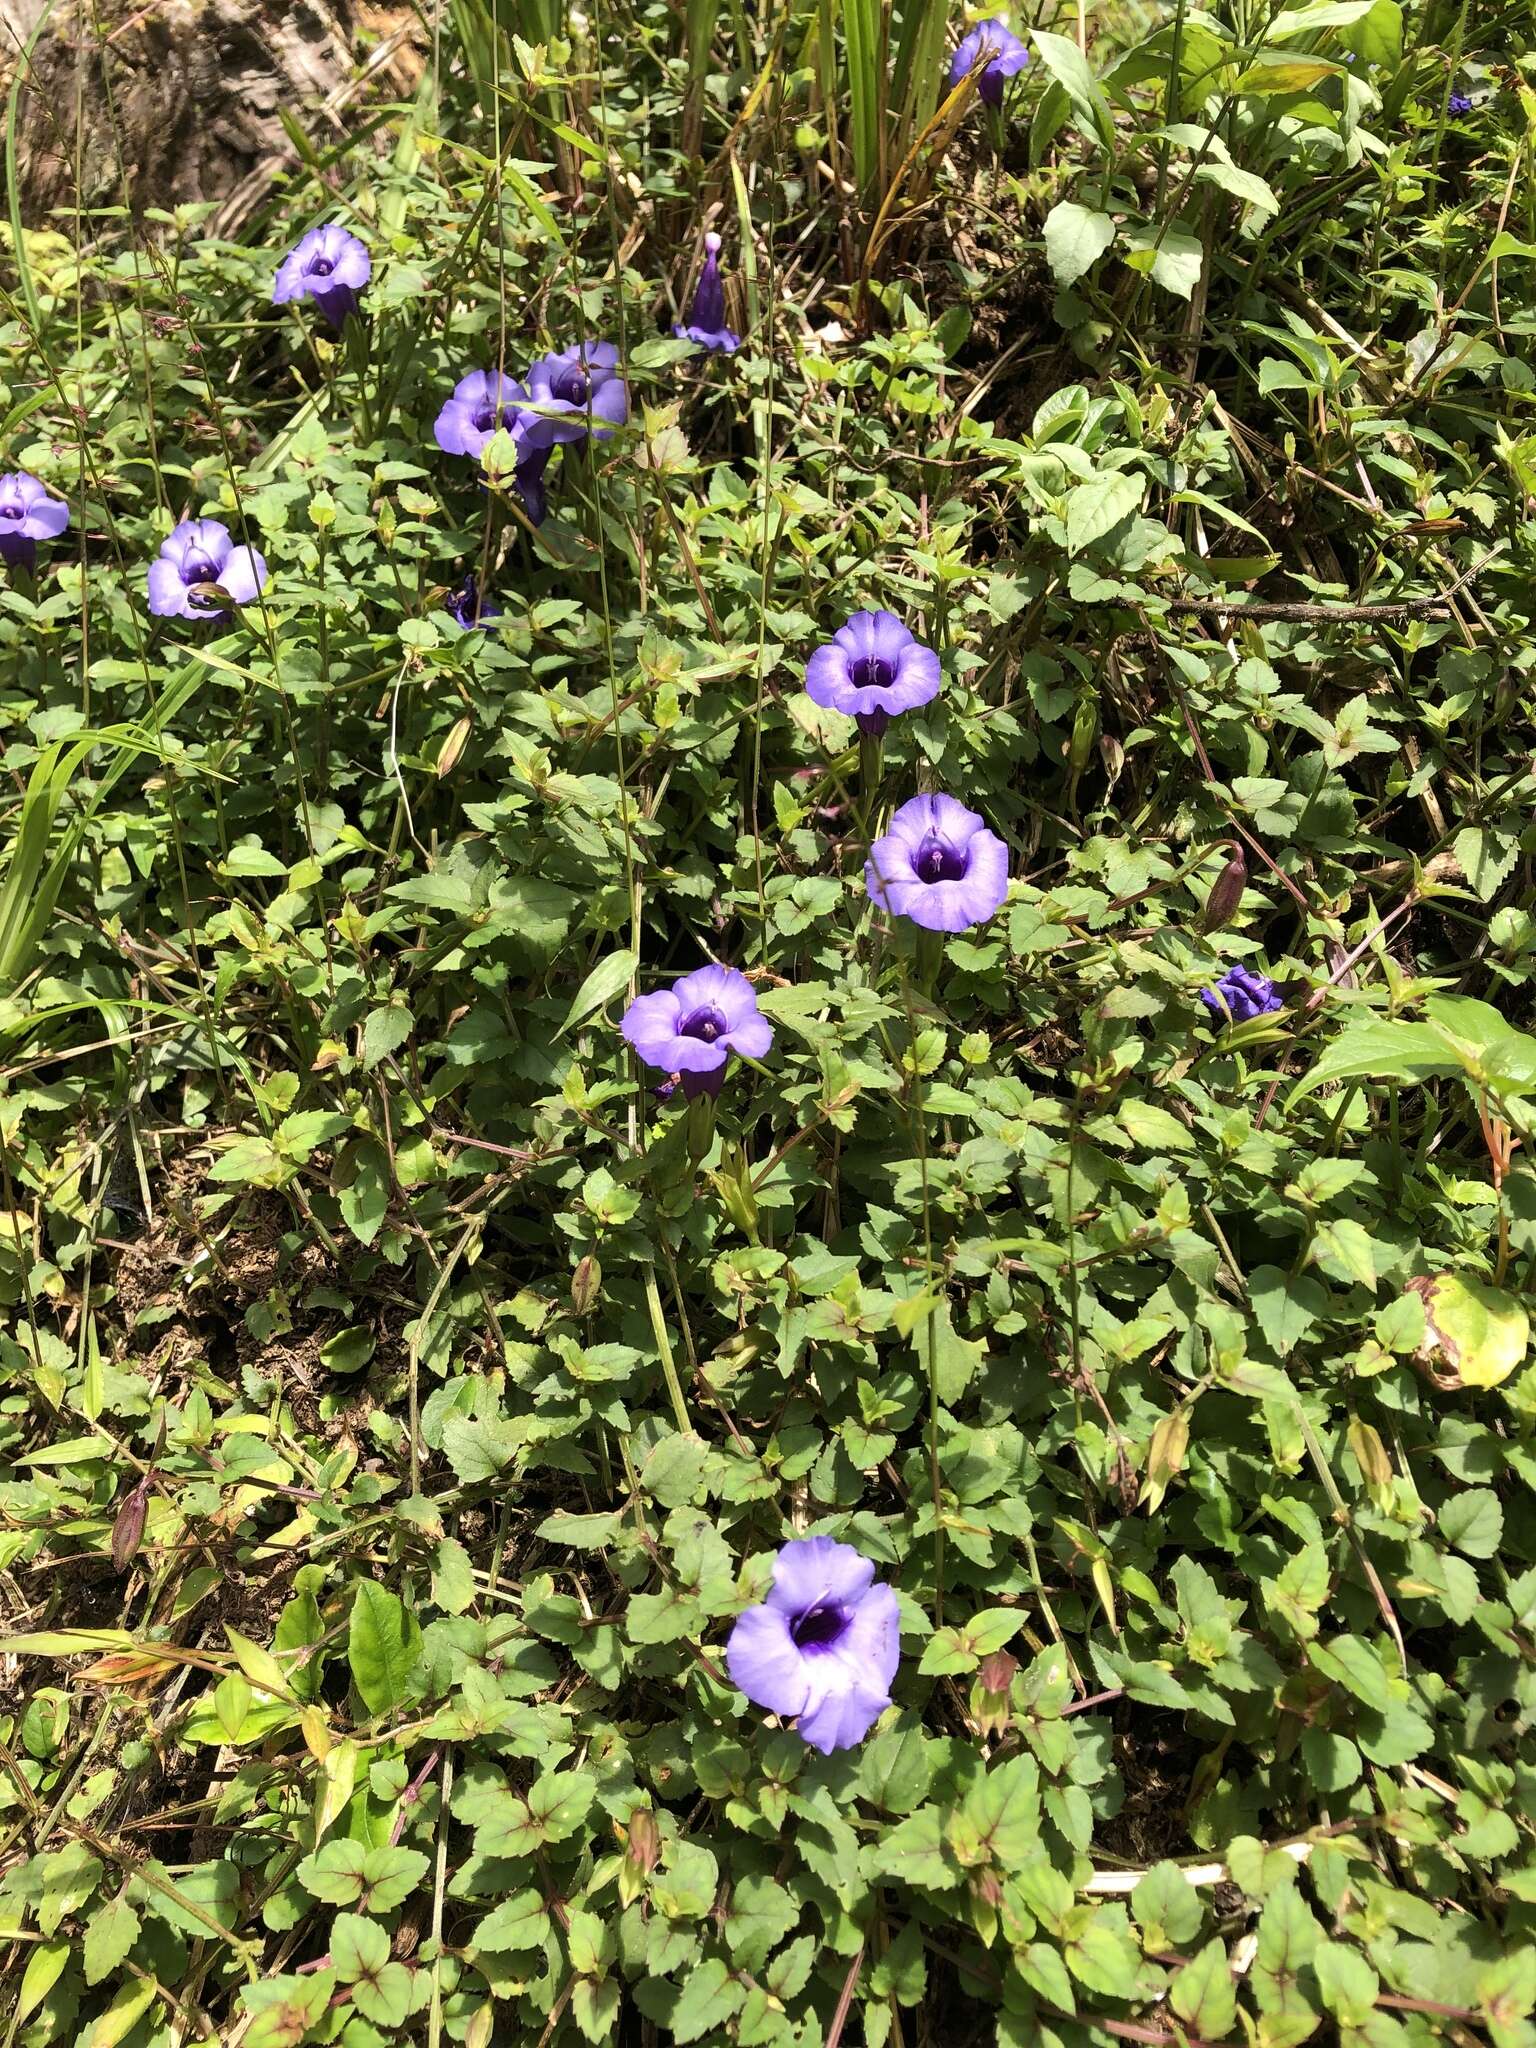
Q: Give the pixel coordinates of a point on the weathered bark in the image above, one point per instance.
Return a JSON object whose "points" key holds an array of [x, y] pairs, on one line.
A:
{"points": [[178, 100]]}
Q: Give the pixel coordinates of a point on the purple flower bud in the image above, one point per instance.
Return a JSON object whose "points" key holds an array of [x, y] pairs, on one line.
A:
{"points": [[823, 1646], [938, 865], [27, 515], [1241, 994], [994, 43], [872, 670], [706, 324], [1459, 103], [194, 556], [329, 266], [692, 1028]]}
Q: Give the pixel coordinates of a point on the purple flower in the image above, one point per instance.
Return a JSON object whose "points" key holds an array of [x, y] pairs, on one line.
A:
{"points": [[482, 404], [824, 1645], [27, 515], [1459, 103], [1003, 52], [327, 265], [568, 389], [938, 865], [873, 670], [195, 554], [1241, 994], [692, 1028], [707, 326], [469, 607]]}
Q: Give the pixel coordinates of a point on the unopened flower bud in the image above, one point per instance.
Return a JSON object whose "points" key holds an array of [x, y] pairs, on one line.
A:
{"points": [[989, 1695], [586, 1284], [642, 1850], [128, 1527], [1226, 893]]}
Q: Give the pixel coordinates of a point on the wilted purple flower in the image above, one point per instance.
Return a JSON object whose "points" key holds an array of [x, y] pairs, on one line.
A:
{"points": [[1459, 103], [873, 670], [824, 1645], [196, 553], [469, 607], [327, 265], [707, 325], [1004, 53], [1241, 994], [27, 515], [567, 389], [692, 1028], [938, 865]]}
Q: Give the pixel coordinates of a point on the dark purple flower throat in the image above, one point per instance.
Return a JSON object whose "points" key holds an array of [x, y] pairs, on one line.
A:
{"points": [[821, 1627]]}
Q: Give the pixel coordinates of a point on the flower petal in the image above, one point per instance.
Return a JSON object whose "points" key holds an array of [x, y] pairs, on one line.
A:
{"points": [[827, 681], [650, 1026], [243, 575], [764, 1663], [167, 592], [811, 1570]]}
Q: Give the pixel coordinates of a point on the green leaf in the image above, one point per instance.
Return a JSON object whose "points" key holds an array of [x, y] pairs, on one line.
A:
{"points": [[1171, 255], [1203, 1995], [385, 1031], [383, 1646], [1070, 69], [1167, 1907], [110, 1933], [1242, 185], [1473, 1522], [711, 1997], [1075, 238], [1354, 1665], [362, 1177], [359, 1946], [1286, 1306], [1347, 1982], [45, 1966], [1096, 507], [520, 1922], [607, 978]]}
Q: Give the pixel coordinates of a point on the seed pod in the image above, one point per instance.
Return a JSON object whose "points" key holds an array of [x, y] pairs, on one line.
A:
{"points": [[1226, 893], [586, 1284]]}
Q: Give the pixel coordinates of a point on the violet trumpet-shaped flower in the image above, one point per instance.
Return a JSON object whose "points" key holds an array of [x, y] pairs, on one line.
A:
{"points": [[873, 670], [938, 865], [468, 606], [1240, 995], [1459, 103], [27, 515], [483, 403], [823, 1646], [566, 392], [1005, 55], [692, 1028], [329, 266], [195, 555], [706, 324]]}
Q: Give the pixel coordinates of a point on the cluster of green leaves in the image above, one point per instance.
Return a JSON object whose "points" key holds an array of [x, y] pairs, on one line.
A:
{"points": [[398, 1402]]}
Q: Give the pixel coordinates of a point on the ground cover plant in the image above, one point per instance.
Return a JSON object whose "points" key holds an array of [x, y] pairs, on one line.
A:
{"points": [[766, 1060]]}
